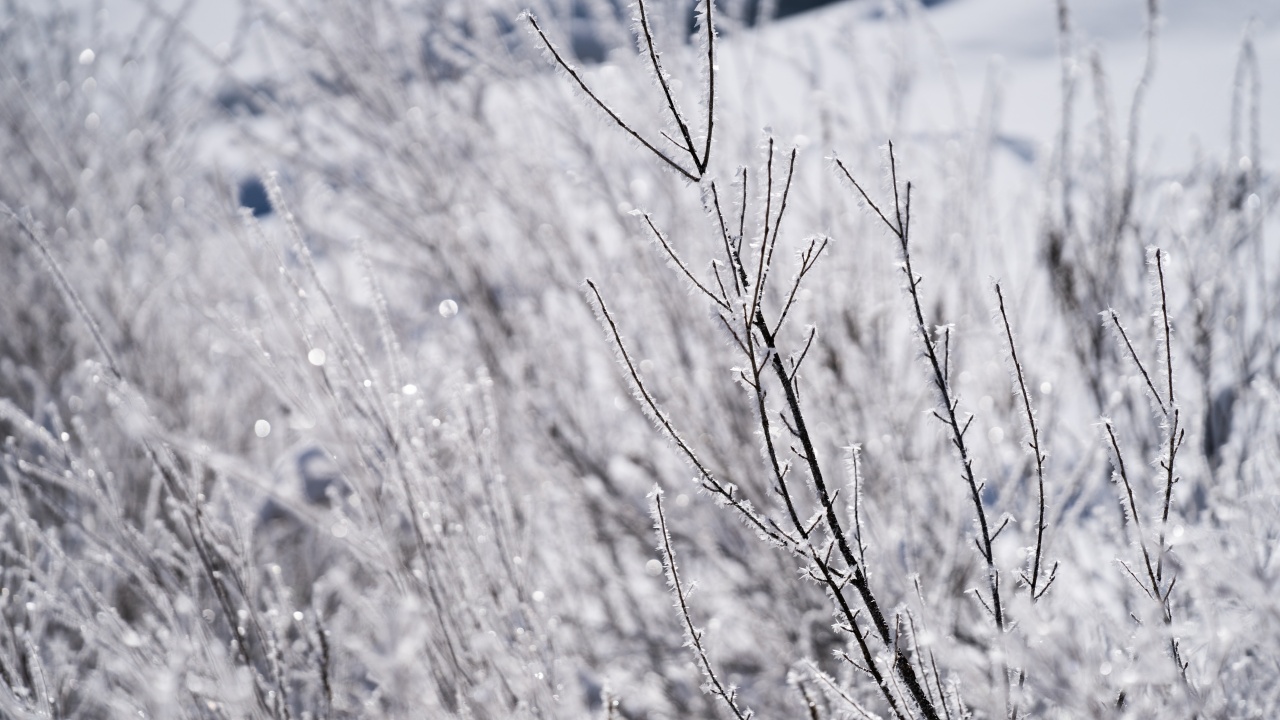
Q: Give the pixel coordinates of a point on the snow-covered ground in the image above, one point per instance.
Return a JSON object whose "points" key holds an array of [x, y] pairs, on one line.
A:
{"points": [[1189, 103], [387, 455], [1013, 41]]}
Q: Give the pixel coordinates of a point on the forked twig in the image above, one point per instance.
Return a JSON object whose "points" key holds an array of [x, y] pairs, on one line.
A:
{"points": [[808, 259], [722, 303], [900, 227], [700, 160], [663, 83], [1175, 433], [758, 339], [710, 481]]}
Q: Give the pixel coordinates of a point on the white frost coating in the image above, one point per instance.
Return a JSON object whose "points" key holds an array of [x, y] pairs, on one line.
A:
{"points": [[353, 619], [87, 56]]}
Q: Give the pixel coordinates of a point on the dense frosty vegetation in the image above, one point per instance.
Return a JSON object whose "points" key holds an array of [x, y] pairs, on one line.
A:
{"points": [[639, 362]]}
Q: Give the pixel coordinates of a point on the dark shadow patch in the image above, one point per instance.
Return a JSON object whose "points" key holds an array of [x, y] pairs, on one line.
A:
{"points": [[253, 195]]}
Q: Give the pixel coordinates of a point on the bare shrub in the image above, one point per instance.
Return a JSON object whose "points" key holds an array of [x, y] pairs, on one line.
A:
{"points": [[391, 448]]}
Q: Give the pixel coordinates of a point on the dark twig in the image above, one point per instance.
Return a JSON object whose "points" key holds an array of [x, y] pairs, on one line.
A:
{"points": [[768, 355], [710, 481], [723, 304], [868, 657], [1155, 394], [758, 339], [808, 259], [1033, 581], [1175, 431], [701, 160], [804, 352], [900, 228], [656, 63], [582, 84], [854, 465], [1134, 517]]}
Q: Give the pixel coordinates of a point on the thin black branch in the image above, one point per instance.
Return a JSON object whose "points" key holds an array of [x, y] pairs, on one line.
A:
{"points": [[709, 19], [656, 64], [1115, 322], [868, 657], [680, 264], [795, 364], [867, 198], [808, 259], [1033, 582], [1175, 431], [901, 230], [712, 482], [1154, 589], [582, 84]]}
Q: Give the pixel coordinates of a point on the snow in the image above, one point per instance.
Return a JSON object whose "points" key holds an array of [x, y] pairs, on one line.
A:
{"points": [[419, 471], [1190, 97], [1187, 108]]}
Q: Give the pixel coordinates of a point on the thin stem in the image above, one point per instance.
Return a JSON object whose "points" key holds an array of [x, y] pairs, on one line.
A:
{"points": [[867, 656], [582, 84], [33, 233], [1176, 433], [711, 82], [755, 320], [727, 695], [682, 266], [1115, 322], [947, 413], [1034, 580], [711, 482], [661, 75], [1164, 316], [1133, 510], [808, 259]]}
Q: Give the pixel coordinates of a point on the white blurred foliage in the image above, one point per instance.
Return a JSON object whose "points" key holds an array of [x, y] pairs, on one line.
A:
{"points": [[294, 474]]}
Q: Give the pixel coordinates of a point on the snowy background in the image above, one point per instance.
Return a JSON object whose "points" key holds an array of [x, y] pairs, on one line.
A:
{"points": [[373, 446]]}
